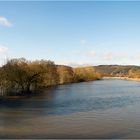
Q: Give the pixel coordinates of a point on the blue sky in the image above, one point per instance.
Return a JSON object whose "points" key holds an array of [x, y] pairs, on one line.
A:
{"points": [[71, 33]]}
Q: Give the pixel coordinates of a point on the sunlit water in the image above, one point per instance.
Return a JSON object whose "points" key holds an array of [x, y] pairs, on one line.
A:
{"points": [[99, 109]]}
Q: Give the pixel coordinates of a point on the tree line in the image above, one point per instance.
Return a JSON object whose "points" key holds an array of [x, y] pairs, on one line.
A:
{"points": [[21, 76]]}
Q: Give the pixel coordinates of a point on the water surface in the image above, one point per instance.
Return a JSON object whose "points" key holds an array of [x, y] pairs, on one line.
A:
{"points": [[99, 109]]}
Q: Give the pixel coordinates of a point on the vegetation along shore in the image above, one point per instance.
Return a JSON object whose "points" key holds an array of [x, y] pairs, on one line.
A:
{"points": [[20, 76]]}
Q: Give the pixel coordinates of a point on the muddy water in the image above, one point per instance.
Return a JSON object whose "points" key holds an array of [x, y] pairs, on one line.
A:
{"points": [[99, 109]]}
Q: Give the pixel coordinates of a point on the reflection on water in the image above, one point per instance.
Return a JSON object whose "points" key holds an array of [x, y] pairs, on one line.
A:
{"points": [[83, 110]]}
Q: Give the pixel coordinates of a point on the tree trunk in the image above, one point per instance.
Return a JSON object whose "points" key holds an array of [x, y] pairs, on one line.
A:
{"points": [[28, 88]]}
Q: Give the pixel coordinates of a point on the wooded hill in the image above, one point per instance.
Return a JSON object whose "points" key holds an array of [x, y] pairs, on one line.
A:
{"points": [[129, 71]]}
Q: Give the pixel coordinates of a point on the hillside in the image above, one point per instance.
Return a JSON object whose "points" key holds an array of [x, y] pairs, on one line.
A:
{"points": [[119, 70], [130, 71]]}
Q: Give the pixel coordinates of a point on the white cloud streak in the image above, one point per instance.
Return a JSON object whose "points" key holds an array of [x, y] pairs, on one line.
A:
{"points": [[5, 22]]}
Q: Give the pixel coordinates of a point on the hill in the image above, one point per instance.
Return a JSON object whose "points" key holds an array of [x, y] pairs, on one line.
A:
{"points": [[130, 71], [91, 72]]}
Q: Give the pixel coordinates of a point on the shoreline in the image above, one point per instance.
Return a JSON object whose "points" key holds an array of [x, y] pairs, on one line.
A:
{"points": [[32, 93], [103, 78], [123, 78]]}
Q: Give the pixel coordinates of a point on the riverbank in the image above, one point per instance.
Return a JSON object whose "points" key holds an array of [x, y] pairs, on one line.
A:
{"points": [[123, 78], [23, 95]]}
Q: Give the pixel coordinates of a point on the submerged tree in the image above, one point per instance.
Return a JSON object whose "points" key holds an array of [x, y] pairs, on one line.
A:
{"points": [[25, 76]]}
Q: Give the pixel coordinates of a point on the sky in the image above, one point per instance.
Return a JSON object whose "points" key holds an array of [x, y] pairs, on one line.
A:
{"points": [[74, 33]]}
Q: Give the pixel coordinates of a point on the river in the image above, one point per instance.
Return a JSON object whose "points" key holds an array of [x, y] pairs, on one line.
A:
{"points": [[108, 108]]}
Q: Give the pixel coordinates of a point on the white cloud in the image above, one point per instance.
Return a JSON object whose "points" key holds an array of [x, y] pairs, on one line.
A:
{"points": [[114, 56], [91, 53], [5, 22], [108, 56], [73, 64], [3, 49], [83, 41], [86, 53]]}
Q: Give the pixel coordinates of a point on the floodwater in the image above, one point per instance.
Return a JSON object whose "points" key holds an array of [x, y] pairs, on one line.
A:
{"points": [[98, 109]]}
